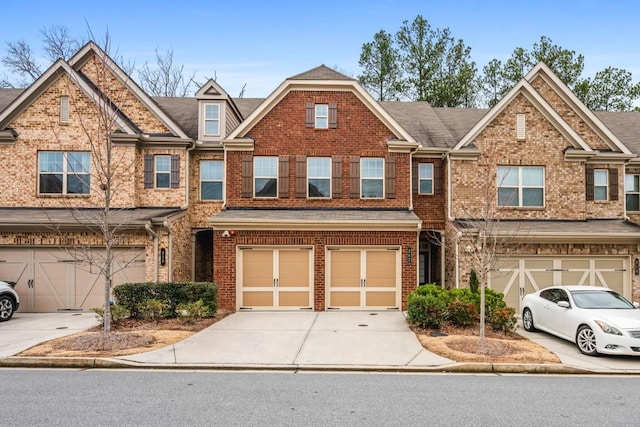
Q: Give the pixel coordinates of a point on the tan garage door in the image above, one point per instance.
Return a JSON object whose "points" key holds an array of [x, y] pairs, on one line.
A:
{"points": [[49, 280], [518, 277], [275, 278], [363, 278]]}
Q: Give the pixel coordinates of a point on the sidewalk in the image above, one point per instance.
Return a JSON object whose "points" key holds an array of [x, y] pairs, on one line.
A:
{"points": [[332, 341]]}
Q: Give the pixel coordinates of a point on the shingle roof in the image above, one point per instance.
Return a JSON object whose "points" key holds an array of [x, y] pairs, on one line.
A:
{"points": [[625, 125], [54, 217], [320, 73], [341, 217], [460, 120], [594, 228], [7, 96], [422, 122]]}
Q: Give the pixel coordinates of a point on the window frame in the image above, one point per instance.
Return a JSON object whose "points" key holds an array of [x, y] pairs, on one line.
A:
{"points": [[157, 171], [318, 117], [212, 180], [427, 179], [597, 186], [256, 176], [206, 120], [636, 193], [520, 187], [327, 177], [65, 172], [381, 178]]}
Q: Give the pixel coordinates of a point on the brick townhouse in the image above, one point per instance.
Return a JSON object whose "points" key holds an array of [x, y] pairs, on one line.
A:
{"points": [[317, 197]]}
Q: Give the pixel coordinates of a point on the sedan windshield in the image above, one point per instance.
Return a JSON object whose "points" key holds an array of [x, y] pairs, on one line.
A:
{"points": [[600, 299]]}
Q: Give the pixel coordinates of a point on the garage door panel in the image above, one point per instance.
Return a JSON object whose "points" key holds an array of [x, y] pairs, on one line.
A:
{"points": [[89, 287], [257, 268], [345, 269], [381, 269], [380, 299], [258, 298], [293, 268], [293, 299], [345, 299]]}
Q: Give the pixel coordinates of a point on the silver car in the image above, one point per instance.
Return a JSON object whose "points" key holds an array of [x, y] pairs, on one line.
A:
{"points": [[9, 300], [596, 319]]}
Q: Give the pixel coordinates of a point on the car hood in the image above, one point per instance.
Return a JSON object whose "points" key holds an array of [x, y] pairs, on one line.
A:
{"points": [[625, 319]]}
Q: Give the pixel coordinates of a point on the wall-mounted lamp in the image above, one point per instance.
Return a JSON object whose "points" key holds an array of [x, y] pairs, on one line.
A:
{"points": [[163, 256], [636, 266], [409, 255]]}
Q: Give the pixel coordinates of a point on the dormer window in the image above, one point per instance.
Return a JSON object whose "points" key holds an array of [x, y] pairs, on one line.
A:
{"points": [[212, 119]]}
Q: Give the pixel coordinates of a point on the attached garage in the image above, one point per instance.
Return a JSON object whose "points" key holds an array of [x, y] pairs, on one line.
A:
{"points": [[272, 278], [49, 279], [520, 276], [363, 278]]}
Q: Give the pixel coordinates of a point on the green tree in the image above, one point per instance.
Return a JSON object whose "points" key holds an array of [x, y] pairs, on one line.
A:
{"points": [[492, 82], [382, 75], [611, 89], [438, 68]]}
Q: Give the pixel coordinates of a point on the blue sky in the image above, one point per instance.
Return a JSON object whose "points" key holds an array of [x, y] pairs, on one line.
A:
{"points": [[261, 43]]}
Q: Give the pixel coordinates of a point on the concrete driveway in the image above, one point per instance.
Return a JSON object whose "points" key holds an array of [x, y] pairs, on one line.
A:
{"points": [[25, 330], [569, 355], [289, 339]]}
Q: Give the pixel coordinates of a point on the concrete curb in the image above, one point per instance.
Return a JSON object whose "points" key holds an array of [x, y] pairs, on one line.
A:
{"points": [[470, 368]]}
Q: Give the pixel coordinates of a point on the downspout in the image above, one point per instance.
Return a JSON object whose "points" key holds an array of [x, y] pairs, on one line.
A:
{"points": [[154, 236], [169, 251], [224, 174], [186, 175]]}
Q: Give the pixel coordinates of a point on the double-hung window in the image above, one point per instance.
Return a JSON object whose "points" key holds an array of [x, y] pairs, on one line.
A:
{"points": [[520, 186], [632, 192], [64, 172], [265, 172], [371, 178], [319, 177], [425, 178], [211, 172], [322, 116], [212, 119], [163, 171], [601, 184]]}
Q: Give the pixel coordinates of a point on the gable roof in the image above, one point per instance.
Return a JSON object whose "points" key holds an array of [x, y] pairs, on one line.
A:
{"points": [[543, 71], [91, 48], [524, 88], [50, 76], [324, 79]]}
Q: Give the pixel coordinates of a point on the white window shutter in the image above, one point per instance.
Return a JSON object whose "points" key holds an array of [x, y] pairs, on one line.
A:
{"points": [[64, 109], [520, 127]]}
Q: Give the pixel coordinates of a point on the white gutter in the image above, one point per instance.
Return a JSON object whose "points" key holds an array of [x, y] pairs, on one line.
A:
{"points": [[186, 175], [154, 236]]}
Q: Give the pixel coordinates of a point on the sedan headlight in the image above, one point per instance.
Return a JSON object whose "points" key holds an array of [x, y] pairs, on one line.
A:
{"points": [[608, 329]]}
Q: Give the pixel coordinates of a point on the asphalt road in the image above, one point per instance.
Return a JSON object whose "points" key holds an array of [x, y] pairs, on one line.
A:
{"points": [[185, 398]]}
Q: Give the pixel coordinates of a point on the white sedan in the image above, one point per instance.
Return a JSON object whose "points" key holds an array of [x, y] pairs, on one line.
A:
{"points": [[596, 319]]}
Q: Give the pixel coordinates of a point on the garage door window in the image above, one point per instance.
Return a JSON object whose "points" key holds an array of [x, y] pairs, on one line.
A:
{"points": [[520, 186], [64, 172]]}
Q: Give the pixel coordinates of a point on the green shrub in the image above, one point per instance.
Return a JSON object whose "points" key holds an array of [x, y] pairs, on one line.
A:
{"points": [[190, 311], [493, 300], [503, 319], [133, 295], [153, 309], [461, 313], [118, 313], [427, 311]]}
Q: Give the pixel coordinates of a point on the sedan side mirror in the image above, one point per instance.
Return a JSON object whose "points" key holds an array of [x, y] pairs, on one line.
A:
{"points": [[564, 304]]}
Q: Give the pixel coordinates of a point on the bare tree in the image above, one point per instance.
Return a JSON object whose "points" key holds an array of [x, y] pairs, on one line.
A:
{"points": [[20, 60], [479, 231], [165, 78], [105, 175], [58, 43]]}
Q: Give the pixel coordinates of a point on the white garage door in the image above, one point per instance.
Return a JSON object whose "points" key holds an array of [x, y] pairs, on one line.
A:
{"points": [[520, 276], [49, 280], [275, 278], [363, 278]]}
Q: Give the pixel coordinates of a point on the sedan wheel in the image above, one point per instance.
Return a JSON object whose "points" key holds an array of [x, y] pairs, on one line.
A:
{"points": [[586, 341], [6, 308], [527, 321]]}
